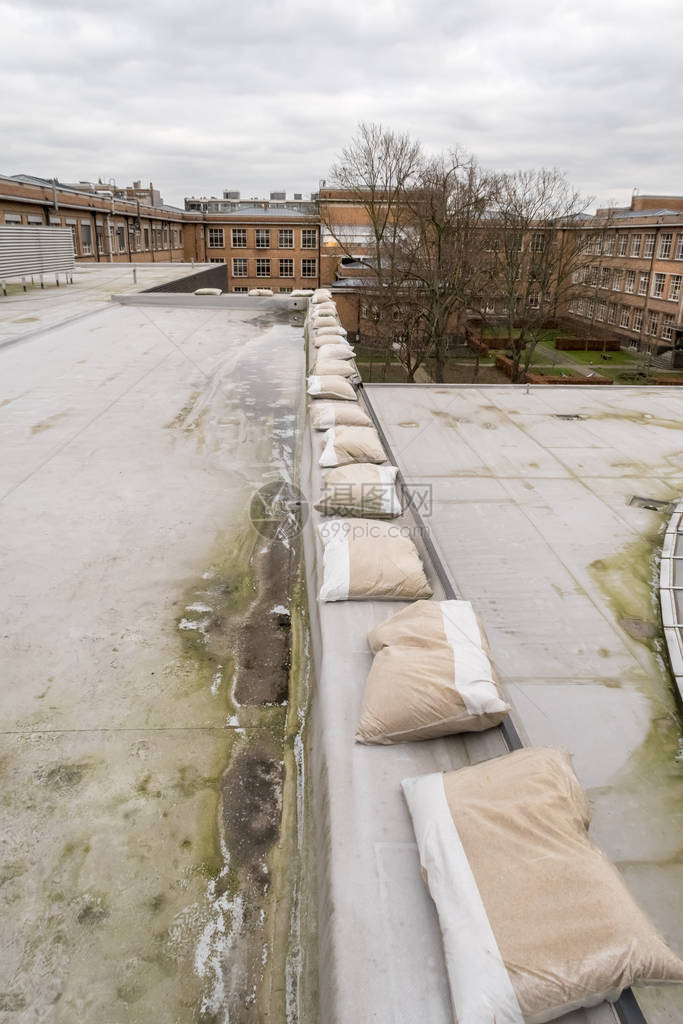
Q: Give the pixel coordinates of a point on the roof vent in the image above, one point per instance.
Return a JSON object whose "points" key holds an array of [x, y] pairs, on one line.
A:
{"points": [[654, 504], [568, 416]]}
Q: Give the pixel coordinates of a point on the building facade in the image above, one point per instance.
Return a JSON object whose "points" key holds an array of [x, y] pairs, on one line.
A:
{"points": [[632, 282], [104, 228]]}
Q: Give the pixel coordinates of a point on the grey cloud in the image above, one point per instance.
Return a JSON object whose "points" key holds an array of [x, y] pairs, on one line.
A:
{"points": [[261, 95]]}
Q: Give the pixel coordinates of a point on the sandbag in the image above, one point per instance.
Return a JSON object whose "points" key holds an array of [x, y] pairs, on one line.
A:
{"points": [[360, 489], [366, 559], [330, 414], [340, 367], [535, 920], [419, 693], [341, 351], [208, 291], [322, 335], [351, 444], [331, 387]]}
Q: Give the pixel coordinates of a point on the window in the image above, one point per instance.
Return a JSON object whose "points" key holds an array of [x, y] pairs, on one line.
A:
{"points": [[658, 286], [612, 313], [675, 287], [643, 284], [649, 245], [239, 268], [239, 238], [594, 276], [581, 307], [598, 246], [216, 259], [34, 219], [86, 238], [653, 324], [309, 268], [630, 282], [622, 245], [589, 244], [617, 279], [625, 316], [146, 239], [678, 255], [216, 239], [364, 312], [309, 238], [121, 236], [637, 320], [240, 290], [263, 240], [284, 291], [286, 268], [286, 238], [12, 218], [604, 277], [602, 311], [635, 244], [263, 268], [665, 241], [55, 222], [137, 245], [610, 241], [537, 242], [590, 308], [667, 326], [165, 236]]}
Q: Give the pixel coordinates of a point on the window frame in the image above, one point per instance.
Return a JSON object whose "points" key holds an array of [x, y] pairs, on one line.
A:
{"points": [[216, 233], [263, 270], [304, 272], [665, 243], [289, 270], [634, 250], [309, 245], [238, 238], [237, 271], [286, 244], [262, 239]]}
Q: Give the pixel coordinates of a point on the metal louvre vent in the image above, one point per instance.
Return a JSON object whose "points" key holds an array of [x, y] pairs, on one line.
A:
{"points": [[26, 250]]}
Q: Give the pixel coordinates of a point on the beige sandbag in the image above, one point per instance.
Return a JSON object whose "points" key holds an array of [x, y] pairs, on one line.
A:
{"points": [[208, 291], [418, 693], [536, 921], [321, 295], [323, 335], [360, 489], [365, 559], [331, 387], [260, 291], [301, 293], [340, 367], [422, 624], [325, 321], [323, 308], [340, 351], [338, 414], [351, 444]]}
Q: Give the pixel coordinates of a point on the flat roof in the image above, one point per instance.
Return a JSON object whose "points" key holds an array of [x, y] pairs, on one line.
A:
{"points": [[23, 313], [530, 511]]}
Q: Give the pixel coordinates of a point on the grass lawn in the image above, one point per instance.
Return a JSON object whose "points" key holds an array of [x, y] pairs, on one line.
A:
{"points": [[595, 359], [380, 373]]}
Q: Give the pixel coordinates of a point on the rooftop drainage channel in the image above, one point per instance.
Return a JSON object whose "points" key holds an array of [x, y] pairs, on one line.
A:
{"points": [[626, 1006], [671, 593]]}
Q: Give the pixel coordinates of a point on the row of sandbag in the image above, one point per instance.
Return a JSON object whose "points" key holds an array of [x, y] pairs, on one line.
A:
{"points": [[535, 920]]}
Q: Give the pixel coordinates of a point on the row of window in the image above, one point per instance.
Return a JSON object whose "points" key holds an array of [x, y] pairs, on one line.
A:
{"points": [[114, 240], [239, 290], [240, 267], [631, 244], [619, 280], [628, 317], [262, 238]]}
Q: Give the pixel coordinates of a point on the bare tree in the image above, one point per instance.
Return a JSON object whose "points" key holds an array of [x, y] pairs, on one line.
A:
{"points": [[536, 254]]}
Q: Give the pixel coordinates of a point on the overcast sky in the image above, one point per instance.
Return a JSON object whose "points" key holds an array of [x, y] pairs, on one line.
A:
{"points": [[261, 96]]}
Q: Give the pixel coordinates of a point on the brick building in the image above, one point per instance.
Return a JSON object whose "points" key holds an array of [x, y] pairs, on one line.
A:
{"points": [[104, 228], [273, 247], [631, 284]]}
